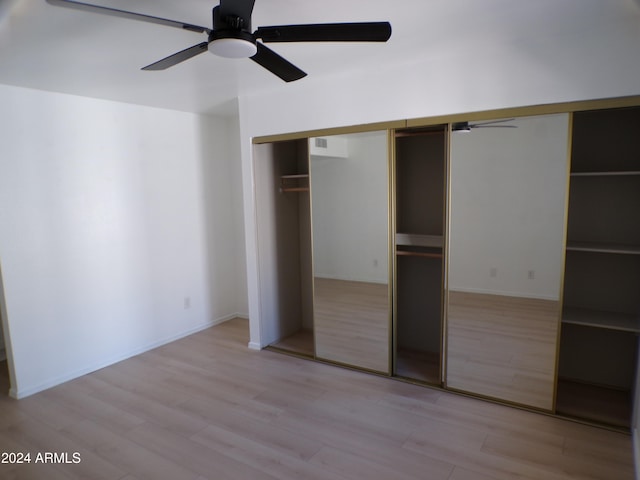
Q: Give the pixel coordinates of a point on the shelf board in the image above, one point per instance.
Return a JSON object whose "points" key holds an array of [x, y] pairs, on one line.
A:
{"points": [[303, 175], [603, 248], [406, 253], [294, 189], [414, 240], [294, 183], [595, 318], [606, 173]]}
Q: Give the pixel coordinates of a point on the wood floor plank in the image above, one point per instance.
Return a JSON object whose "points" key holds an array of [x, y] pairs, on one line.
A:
{"points": [[203, 460], [261, 456], [391, 424], [151, 410], [92, 408], [36, 437], [136, 378], [296, 446], [356, 467], [460, 473], [127, 454], [551, 460]]}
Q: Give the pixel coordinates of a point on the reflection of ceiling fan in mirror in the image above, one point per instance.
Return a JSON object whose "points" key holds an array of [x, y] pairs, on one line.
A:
{"points": [[231, 35], [466, 126]]}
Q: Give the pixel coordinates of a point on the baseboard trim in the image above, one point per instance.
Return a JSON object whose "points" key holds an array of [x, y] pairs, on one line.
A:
{"points": [[26, 392], [254, 346]]}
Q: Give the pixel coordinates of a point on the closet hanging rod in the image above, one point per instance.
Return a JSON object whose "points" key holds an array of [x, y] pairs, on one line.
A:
{"points": [[406, 253]]}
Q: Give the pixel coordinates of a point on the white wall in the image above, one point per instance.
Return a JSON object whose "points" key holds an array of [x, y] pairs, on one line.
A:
{"points": [[118, 231], [595, 56], [350, 206], [507, 197]]}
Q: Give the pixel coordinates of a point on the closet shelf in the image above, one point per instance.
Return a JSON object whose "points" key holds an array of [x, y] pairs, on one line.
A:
{"points": [[408, 253], [294, 183], [415, 240], [607, 173], [597, 247], [600, 319]]}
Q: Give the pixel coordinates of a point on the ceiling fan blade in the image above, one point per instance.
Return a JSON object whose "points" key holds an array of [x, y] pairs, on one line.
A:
{"points": [[86, 7], [494, 126], [327, 32], [276, 64], [490, 122], [179, 57]]}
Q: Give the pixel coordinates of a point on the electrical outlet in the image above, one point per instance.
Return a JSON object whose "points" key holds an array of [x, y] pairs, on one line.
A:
{"points": [[187, 303], [375, 262], [493, 272], [531, 275]]}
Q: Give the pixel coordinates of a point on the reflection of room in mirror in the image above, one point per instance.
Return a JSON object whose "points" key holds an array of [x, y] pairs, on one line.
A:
{"points": [[503, 347], [507, 197], [349, 203]]}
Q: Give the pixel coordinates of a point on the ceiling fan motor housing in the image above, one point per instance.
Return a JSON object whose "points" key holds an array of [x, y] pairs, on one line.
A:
{"points": [[231, 36]]}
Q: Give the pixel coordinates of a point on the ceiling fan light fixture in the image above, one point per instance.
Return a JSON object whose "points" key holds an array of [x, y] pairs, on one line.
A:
{"points": [[233, 47]]}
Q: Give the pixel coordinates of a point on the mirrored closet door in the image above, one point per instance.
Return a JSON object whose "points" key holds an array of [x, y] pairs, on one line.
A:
{"points": [[350, 223], [508, 188]]}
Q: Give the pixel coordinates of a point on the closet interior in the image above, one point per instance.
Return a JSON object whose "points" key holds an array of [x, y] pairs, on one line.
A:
{"points": [[284, 242], [601, 310], [420, 179]]}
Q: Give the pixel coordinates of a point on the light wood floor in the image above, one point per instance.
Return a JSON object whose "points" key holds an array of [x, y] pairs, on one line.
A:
{"points": [[207, 407]]}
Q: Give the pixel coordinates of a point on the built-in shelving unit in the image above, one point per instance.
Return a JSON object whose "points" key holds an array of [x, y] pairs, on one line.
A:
{"points": [[419, 199], [601, 312]]}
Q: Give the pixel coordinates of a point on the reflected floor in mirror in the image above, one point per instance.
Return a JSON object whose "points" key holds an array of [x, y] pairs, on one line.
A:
{"points": [[503, 347], [351, 323]]}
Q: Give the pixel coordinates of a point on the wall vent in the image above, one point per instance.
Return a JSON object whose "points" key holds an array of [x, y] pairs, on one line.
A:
{"points": [[321, 142]]}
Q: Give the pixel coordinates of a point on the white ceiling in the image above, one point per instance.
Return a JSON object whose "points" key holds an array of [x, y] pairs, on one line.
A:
{"points": [[62, 50]]}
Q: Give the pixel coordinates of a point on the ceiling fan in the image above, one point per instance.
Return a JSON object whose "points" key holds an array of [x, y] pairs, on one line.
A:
{"points": [[231, 35], [466, 126]]}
